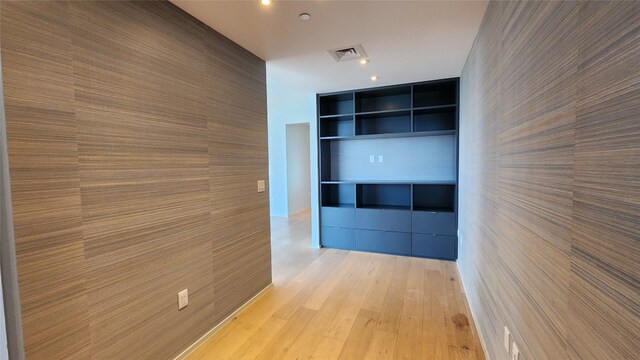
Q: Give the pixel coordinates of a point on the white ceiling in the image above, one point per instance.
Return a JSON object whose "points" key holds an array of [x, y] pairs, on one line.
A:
{"points": [[406, 41]]}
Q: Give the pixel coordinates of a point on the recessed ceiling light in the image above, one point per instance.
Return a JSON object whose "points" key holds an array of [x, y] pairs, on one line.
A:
{"points": [[265, 2], [374, 78], [364, 61], [304, 17]]}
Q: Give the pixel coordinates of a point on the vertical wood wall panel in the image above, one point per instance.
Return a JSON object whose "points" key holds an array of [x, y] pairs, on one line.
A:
{"points": [[136, 138], [551, 225], [141, 110], [45, 184], [535, 151], [242, 259], [478, 178], [604, 305]]}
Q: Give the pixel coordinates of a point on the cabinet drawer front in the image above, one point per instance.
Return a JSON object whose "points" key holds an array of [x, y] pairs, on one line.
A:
{"points": [[383, 242], [338, 238], [434, 246], [433, 223], [387, 220], [338, 217]]}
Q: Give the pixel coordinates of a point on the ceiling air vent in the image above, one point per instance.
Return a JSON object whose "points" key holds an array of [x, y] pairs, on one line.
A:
{"points": [[348, 53]]}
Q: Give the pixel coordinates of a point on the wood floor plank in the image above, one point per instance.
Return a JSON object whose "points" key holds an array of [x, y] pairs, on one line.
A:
{"points": [[328, 349], [360, 336], [328, 310], [382, 346], [224, 344], [259, 340], [458, 331], [309, 284], [389, 319], [324, 290], [286, 337], [348, 305], [341, 325], [376, 295], [434, 336], [456, 353], [410, 329]]}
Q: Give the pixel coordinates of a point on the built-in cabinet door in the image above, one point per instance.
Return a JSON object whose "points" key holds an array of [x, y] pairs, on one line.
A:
{"points": [[338, 217], [439, 223], [434, 246], [338, 238], [383, 219], [387, 242]]}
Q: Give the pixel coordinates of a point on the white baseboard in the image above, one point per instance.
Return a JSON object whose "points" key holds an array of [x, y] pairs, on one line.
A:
{"points": [[224, 322], [473, 316]]}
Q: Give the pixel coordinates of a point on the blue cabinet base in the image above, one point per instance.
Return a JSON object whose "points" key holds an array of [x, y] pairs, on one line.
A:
{"points": [[386, 242], [338, 238], [442, 247], [434, 246]]}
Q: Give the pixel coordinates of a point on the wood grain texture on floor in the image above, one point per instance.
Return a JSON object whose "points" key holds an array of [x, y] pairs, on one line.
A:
{"points": [[334, 304]]}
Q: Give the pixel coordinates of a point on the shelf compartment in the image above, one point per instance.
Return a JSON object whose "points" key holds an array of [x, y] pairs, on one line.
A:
{"points": [[392, 136], [339, 104], [394, 98], [438, 119], [336, 126], [384, 123], [434, 198], [338, 195], [435, 93], [383, 196], [325, 160]]}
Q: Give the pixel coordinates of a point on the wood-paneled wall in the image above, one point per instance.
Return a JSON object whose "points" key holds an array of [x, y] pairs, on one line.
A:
{"points": [[550, 179], [136, 135]]}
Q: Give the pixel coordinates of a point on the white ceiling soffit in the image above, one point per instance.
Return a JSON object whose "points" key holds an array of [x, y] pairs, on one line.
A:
{"points": [[405, 41]]}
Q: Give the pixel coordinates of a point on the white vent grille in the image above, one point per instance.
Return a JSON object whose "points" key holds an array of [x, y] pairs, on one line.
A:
{"points": [[348, 53]]}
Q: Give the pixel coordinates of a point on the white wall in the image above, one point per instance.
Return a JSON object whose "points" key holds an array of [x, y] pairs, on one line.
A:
{"points": [[290, 106], [298, 169]]}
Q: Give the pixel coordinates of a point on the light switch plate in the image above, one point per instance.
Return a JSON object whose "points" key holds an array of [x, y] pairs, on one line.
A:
{"points": [[372, 158], [261, 186], [380, 158], [507, 340], [515, 352], [183, 299]]}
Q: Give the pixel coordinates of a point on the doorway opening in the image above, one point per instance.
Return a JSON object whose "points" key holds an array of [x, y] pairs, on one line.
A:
{"points": [[298, 169]]}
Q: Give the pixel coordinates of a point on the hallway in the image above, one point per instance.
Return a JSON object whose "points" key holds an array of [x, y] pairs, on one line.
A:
{"points": [[334, 304]]}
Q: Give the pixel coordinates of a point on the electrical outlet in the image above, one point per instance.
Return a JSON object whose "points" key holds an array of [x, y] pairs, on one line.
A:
{"points": [[380, 158], [261, 186], [372, 158], [515, 352], [183, 299], [507, 340]]}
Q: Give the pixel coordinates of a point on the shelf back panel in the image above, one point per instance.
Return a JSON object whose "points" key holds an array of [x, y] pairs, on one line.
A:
{"points": [[384, 196], [429, 158]]}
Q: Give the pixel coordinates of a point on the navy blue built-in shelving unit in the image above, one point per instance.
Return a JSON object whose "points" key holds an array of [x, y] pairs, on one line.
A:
{"points": [[388, 165]]}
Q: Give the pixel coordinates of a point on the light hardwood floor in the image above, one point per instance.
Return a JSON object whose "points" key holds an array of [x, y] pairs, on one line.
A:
{"points": [[334, 304]]}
